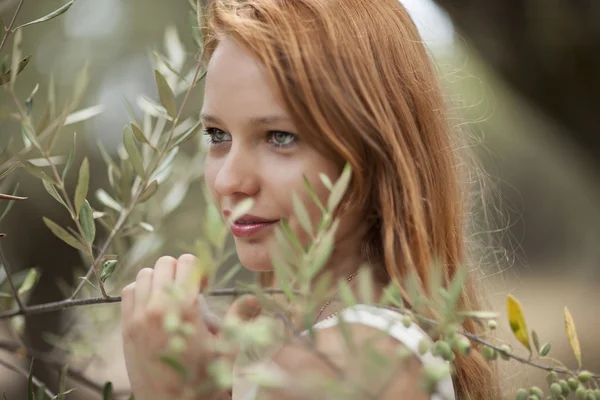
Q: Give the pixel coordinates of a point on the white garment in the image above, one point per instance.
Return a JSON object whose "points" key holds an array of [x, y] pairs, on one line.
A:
{"points": [[378, 318]]}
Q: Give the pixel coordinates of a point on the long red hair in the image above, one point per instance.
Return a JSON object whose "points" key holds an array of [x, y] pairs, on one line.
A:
{"points": [[360, 86]]}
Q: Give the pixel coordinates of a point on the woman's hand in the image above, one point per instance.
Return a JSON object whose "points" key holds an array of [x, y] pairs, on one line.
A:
{"points": [[145, 303]]}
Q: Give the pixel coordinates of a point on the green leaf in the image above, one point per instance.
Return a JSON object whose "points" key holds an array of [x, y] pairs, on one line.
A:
{"points": [[148, 192], [62, 382], [326, 181], [70, 157], [289, 234], [572, 335], [83, 184], [37, 172], [313, 194], [545, 349], [29, 135], [517, 322], [107, 391], [52, 192], [339, 189], [214, 228], [86, 219], [392, 296], [242, 208], [105, 156], [167, 98], [84, 114], [63, 235], [187, 135], [139, 135], [107, 269], [365, 286], [7, 76], [108, 201], [346, 294], [29, 281], [322, 251], [10, 203], [41, 393], [134, 153], [301, 214], [48, 17]]}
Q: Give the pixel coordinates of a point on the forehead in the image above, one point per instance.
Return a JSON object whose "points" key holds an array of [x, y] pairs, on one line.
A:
{"points": [[238, 85]]}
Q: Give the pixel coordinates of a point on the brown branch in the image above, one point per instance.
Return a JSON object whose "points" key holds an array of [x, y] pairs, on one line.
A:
{"points": [[18, 349], [25, 374], [10, 197], [8, 29]]}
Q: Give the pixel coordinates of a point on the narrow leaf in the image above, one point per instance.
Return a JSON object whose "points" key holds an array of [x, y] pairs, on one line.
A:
{"points": [[63, 235], [37, 172], [83, 183], [86, 219], [326, 181], [108, 201], [175, 365], [134, 153], [242, 208], [322, 251], [188, 134], [536, 341], [29, 281], [70, 157], [167, 98], [52, 192], [107, 269], [139, 135], [149, 191], [84, 114], [313, 194], [301, 214], [7, 76], [339, 189], [53, 14], [517, 322], [107, 391], [572, 335], [41, 393]]}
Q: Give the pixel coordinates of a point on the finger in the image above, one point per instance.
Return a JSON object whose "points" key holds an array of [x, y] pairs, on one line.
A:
{"points": [[245, 308], [164, 274], [127, 302], [186, 278], [212, 321], [143, 287]]}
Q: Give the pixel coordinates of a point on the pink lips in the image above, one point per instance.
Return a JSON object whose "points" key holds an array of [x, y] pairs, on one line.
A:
{"points": [[248, 225]]}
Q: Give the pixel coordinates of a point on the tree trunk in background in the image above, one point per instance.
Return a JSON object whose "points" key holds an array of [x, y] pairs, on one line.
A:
{"points": [[546, 50]]}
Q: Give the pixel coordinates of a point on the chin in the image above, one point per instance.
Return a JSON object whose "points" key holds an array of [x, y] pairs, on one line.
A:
{"points": [[254, 257]]}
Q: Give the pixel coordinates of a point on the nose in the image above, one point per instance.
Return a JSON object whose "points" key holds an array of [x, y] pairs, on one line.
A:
{"points": [[238, 174]]}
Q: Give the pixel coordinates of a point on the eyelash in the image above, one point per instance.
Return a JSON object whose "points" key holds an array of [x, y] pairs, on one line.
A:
{"points": [[210, 134]]}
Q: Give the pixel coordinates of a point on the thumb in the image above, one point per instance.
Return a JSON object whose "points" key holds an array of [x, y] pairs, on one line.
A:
{"points": [[245, 308]]}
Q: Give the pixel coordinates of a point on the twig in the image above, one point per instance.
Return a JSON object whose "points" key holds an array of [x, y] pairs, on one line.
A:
{"points": [[4, 261], [17, 348], [123, 217], [24, 373], [8, 30]]}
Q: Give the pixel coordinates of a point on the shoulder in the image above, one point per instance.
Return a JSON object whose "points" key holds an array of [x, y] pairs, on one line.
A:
{"points": [[364, 355]]}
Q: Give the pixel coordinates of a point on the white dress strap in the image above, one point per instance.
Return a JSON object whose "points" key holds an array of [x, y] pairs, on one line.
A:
{"points": [[391, 322]]}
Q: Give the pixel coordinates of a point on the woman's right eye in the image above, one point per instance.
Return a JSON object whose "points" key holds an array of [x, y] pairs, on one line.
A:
{"points": [[216, 136]]}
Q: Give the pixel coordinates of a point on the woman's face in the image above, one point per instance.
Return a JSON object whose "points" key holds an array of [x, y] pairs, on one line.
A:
{"points": [[255, 152]]}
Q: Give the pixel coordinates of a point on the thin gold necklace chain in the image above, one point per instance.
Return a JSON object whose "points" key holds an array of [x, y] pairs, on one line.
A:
{"points": [[329, 301]]}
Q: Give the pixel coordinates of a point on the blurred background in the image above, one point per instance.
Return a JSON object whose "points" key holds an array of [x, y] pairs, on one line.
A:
{"points": [[523, 76]]}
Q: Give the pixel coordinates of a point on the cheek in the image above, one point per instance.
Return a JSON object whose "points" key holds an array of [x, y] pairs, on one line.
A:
{"points": [[211, 169]]}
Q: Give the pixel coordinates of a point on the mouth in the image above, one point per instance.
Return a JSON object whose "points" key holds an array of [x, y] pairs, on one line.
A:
{"points": [[249, 225]]}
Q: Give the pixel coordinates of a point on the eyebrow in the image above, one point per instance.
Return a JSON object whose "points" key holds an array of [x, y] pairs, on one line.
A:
{"points": [[265, 120]]}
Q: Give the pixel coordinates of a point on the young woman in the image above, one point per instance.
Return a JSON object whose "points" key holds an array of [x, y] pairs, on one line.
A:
{"points": [[295, 88]]}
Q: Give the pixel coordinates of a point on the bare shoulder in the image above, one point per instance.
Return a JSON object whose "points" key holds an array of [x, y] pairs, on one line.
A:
{"points": [[371, 364]]}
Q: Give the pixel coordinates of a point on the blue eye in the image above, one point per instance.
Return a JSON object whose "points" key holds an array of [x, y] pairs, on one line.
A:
{"points": [[216, 136], [282, 139]]}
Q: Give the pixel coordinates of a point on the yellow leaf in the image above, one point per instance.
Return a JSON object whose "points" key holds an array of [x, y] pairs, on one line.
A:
{"points": [[572, 335], [517, 321]]}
